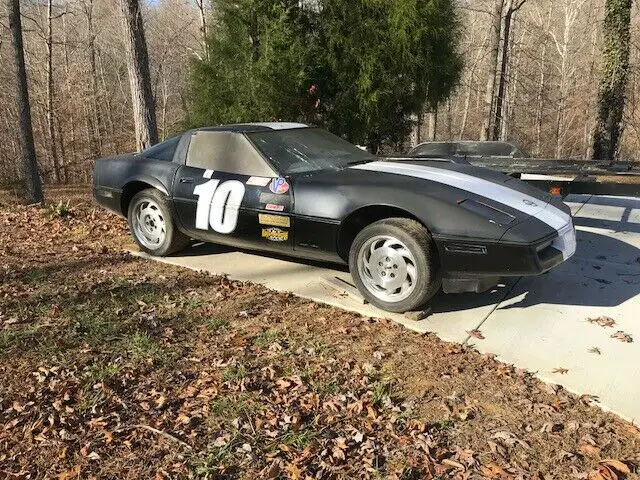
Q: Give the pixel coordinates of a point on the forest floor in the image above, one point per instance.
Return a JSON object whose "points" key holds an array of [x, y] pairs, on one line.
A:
{"points": [[115, 367]]}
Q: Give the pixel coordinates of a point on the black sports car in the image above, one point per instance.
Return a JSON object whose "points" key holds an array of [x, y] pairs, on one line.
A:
{"points": [[405, 228]]}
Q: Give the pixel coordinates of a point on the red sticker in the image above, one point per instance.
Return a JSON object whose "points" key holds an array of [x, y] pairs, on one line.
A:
{"points": [[274, 208]]}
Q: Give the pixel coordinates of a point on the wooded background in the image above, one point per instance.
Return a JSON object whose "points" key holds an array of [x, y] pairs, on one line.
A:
{"points": [[550, 65]]}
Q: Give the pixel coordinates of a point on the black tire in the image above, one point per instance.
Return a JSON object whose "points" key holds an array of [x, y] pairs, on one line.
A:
{"points": [[416, 238], [172, 241]]}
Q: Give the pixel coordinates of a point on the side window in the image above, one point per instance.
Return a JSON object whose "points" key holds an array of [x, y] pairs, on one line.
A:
{"points": [[163, 151], [226, 152]]}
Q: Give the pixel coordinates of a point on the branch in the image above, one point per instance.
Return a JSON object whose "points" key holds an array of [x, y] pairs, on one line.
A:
{"points": [[513, 10], [164, 434]]}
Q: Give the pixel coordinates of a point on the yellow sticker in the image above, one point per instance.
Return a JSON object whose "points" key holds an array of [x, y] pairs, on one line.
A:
{"points": [[275, 234], [275, 220]]}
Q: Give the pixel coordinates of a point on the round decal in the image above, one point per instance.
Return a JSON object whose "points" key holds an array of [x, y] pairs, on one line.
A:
{"points": [[279, 185]]}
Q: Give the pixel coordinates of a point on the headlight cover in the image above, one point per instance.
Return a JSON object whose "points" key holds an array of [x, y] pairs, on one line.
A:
{"points": [[492, 214]]}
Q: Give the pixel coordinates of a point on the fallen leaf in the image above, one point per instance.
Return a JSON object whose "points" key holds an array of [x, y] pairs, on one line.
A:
{"points": [[293, 471], [602, 321], [617, 465], [492, 470], [475, 334], [69, 474], [453, 463], [589, 450], [595, 350], [622, 336]]}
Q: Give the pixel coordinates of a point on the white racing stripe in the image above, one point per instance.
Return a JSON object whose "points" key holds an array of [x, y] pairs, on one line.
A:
{"points": [[547, 213]]}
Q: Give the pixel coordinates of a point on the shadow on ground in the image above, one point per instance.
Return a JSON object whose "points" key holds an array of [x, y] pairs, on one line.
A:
{"points": [[605, 272]]}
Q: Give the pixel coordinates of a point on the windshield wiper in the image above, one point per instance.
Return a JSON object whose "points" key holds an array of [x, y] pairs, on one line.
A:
{"points": [[359, 162]]}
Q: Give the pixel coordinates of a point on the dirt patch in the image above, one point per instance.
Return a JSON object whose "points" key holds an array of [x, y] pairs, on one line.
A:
{"points": [[115, 367]]}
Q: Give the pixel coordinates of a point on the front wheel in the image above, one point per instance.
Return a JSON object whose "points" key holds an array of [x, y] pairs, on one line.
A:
{"points": [[152, 226], [394, 264]]}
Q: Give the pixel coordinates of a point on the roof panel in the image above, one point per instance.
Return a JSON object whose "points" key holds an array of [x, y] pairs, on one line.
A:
{"points": [[254, 127]]}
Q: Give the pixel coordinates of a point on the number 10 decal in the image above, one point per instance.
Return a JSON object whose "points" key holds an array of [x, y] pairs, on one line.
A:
{"points": [[219, 205]]}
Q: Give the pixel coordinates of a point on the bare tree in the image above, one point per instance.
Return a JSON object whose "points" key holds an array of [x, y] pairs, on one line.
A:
{"points": [[51, 92], [33, 186], [511, 8], [201, 5], [494, 51], [144, 112]]}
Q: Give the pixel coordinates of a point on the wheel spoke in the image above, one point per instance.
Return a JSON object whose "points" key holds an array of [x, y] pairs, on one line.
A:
{"points": [[387, 268], [149, 225], [406, 254], [412, 272]]}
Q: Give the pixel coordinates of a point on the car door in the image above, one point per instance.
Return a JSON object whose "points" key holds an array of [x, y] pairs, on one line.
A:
{"points": [[226, 193]]}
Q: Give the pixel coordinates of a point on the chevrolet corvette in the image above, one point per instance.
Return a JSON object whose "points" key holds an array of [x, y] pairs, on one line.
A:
{"points": [[406, 228]]}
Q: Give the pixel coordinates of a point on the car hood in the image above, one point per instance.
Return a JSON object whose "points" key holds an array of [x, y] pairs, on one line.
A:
{"points": [[434, 192]]}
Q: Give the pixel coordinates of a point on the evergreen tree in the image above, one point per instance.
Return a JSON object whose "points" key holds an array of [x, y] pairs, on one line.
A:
{"points": [[361, 68], [256, 65]]}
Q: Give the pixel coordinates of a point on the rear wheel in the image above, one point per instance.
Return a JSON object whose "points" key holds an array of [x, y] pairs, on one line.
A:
{"points": [[152, 226], [394, 264]]}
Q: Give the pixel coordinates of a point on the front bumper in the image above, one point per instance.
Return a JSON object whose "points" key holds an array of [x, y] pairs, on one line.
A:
{"points": [[469, 259]]}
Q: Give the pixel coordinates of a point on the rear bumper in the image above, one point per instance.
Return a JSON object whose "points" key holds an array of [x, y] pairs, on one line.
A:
{"points": [[108, 198]]}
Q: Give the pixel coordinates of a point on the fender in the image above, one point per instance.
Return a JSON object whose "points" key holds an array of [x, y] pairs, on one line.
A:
{"points": [[154, 182]]}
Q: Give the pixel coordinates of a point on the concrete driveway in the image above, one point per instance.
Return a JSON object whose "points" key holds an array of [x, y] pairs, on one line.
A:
{"points": [[539, 324]]}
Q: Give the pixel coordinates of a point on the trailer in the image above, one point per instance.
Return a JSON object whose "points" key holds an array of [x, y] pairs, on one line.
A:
{"points": [[558, 177]]}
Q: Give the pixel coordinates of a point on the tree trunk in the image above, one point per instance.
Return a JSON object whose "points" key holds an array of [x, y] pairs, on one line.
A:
{"points": [[465, 111], [433, 125], [589, 123], [494, 51], [95, 120], [144, 112], [512, 92], [416, 132], [71, 112], [203, 27], [51, 128], [542, 83], [613, 84], [504, 64], [449, 119], [33, 186]]}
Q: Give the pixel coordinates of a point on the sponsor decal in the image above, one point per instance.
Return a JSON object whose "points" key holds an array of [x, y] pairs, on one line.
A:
{"points": [[274, 220], [258, 181], [268, 197], [279, 186], [218, 205], [208, 174], [275, 234], [274, 208]]}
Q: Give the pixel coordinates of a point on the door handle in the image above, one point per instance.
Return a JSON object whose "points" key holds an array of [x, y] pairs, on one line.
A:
{"points": [[186, 180]]}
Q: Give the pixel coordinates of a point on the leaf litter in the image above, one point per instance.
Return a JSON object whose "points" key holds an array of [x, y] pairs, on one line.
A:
{"points": [[124, 368]]}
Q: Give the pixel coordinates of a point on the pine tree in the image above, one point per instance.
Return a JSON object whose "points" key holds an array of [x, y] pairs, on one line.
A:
{"points": [[362, 68]]}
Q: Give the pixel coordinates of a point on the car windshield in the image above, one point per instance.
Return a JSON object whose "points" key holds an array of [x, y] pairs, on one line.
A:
{"points": [[307, 149]]}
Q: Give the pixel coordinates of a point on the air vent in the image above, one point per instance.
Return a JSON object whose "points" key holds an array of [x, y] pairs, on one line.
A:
{"points": [[466, 248]]}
